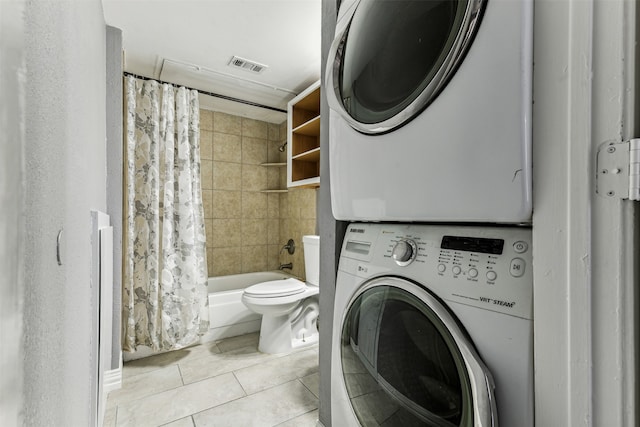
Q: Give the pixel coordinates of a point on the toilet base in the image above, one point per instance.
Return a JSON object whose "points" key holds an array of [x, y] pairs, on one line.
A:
{"points": [[278, 346], [283, 334]]}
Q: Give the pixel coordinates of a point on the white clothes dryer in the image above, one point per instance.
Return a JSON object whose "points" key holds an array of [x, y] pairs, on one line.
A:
{"points": [[433, 327], [430, 111]]}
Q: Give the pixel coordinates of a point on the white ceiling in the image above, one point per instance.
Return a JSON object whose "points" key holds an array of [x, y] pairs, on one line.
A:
{"points": [[191, 42]]}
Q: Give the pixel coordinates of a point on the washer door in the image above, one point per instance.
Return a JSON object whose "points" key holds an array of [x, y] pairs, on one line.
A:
{"points": [[395, 56], [407, 362]]}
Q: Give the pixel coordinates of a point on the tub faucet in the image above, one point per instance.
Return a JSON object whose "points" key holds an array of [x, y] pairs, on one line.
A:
{"points": [[288, 265]]}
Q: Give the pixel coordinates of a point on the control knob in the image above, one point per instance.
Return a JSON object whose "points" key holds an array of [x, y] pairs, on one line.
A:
{"points": [[404, 252]]}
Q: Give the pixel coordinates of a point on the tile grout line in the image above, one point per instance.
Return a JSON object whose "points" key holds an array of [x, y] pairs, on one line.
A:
{"points": [[163, 354], [249, 395], [305, 386], [215, 343], [181, 377], [293, 418], [241, 386]]}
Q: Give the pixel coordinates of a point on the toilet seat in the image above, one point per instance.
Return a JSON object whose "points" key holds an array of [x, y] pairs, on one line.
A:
{"points": [[276, 288]]}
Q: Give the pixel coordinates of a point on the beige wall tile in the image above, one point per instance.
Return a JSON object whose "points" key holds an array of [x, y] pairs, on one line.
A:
{"points": [[254, 178], [208, 228], [227, 176], [272, 257], [273, 205], [206, 120], [274, 131], [245, 228], [294, 210], [226, 204], [226, 261], [273, 179], [207, 203], [206, 174], [284, 205], [206, 145], [226, 123], [308, 204], [254, 205], [294, 230], [227, 147], [226, 233], [254, 232], [254, 128], [307, 227], [273, 231], [285, 231], [210, 271], [273, 151], [254, 150], [254, 258]]}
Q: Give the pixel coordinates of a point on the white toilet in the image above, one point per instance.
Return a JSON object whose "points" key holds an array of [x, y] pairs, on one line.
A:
{"points": [[289, 307]]}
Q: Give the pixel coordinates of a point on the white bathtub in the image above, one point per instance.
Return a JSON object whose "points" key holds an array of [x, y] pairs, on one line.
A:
{"points": [[228, 316]]}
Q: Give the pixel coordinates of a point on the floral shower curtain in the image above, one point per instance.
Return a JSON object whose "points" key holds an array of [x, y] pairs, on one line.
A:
{"points": [[165, 304]]}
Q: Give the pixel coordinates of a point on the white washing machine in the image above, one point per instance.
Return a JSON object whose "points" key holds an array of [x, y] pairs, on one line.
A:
{"points": [[433, 327], [430, 111]]}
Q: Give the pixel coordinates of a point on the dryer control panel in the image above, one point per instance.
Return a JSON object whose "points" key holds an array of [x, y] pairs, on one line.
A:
{"points": [[487, 267]]}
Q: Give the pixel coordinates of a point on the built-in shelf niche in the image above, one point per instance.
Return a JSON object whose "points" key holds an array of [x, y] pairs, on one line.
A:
{"points": [[303, 135]]}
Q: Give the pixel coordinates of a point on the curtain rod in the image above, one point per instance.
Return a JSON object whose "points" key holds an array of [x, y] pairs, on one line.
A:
{"points": [[215, 95]]}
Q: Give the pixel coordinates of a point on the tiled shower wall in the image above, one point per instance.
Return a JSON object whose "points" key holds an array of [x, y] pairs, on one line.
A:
{"points": [[246, 227]]}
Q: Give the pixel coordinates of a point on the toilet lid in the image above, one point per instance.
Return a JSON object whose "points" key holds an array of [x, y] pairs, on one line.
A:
{"points": [[276, 288]]}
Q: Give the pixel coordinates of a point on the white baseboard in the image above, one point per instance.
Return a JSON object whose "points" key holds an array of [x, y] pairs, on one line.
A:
{"points": [[113, 378]]}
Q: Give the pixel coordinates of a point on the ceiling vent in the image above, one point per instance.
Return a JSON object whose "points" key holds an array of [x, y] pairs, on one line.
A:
{"points": [[247, 65]]}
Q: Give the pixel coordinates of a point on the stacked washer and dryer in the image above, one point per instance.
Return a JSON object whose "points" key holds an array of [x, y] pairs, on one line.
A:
{"points": [[430, 160]]}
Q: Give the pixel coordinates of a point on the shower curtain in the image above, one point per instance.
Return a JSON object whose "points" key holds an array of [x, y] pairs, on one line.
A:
{"points": [[165, 303]]}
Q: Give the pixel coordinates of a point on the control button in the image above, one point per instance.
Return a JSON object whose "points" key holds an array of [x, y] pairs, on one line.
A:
{"points": [[404, 252], [517, 267], [457, 270], [473, 273], [520, 247], [491, 275], [442, 268]]}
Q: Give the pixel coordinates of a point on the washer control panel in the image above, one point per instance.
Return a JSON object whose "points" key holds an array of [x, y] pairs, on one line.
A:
{"points": [[488, 266]]}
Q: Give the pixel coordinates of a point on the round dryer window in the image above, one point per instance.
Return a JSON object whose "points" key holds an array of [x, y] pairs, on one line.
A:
{"points": [[396, 56], [406, 362]]}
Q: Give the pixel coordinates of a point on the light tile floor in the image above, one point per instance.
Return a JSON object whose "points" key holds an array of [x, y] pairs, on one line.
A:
{"points": [[227, 383]]}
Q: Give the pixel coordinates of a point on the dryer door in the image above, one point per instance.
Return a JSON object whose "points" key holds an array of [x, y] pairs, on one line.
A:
{"points": [[407, 362], [395, 56]]}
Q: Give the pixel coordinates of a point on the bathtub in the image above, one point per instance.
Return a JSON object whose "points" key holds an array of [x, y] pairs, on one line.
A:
{"points": [[228, 316]]}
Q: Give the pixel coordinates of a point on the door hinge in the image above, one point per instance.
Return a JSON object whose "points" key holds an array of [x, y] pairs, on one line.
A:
{"points": [[618, 170]]}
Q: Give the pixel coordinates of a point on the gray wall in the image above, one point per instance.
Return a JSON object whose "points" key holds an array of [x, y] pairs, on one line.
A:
{"points": [[331, 231], [114, 175], [11, 202], [65, 180]]}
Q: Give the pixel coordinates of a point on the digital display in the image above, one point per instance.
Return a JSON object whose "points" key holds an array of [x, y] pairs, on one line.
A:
{"points": [[473, 244]]}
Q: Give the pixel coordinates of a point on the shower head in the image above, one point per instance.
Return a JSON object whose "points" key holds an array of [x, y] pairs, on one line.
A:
{"points": [[282, 147]]}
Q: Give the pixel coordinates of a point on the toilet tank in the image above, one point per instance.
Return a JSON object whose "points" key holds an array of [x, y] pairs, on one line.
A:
{"points": [[312, 258]]}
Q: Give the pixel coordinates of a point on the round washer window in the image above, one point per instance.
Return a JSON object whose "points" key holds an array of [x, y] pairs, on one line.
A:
{"points": [[396, 56], [401, 365]]}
